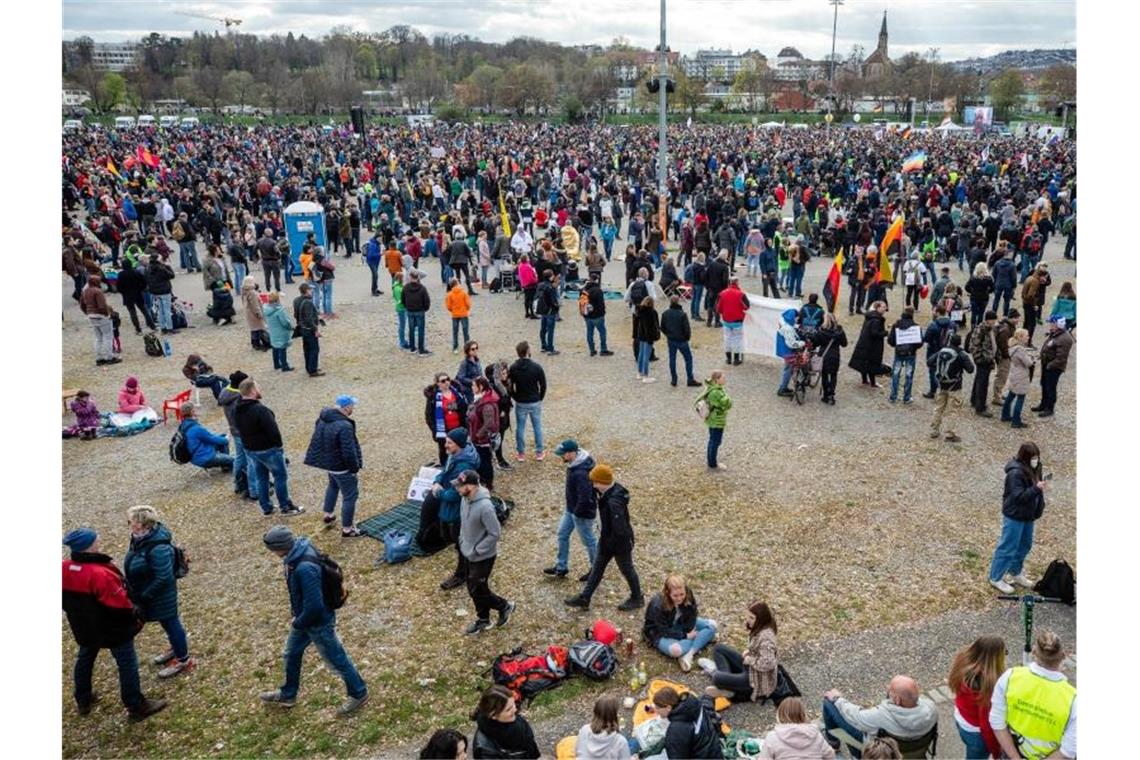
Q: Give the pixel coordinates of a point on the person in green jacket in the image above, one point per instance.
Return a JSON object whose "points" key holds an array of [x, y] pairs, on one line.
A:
{"points": [[718, 404], [401, 314]]}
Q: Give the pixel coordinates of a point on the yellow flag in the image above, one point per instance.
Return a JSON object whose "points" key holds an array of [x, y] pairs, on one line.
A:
{"points": [[503, 214]]}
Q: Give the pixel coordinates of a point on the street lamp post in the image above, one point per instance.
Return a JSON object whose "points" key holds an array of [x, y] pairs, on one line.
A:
{"points": [[662, 148], [930, 93], [831, 70]]}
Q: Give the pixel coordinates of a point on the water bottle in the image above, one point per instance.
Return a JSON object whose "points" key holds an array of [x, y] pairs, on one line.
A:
{"points": [[166, 347], [642, 677]]}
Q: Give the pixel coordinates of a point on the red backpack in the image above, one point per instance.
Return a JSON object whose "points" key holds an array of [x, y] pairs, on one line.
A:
{"points": [[528, 676]]}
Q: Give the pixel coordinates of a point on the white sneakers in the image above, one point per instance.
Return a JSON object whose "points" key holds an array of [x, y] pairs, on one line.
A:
{"points": [[707, 665], [686, 661], [1021, 580], [1002, 586]]}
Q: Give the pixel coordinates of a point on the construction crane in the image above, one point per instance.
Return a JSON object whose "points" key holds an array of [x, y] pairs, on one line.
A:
{"points": [[224, 19]]}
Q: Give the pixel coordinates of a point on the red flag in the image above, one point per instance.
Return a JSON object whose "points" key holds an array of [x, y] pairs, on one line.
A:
{"points": [[831, 285], [145, 157]]}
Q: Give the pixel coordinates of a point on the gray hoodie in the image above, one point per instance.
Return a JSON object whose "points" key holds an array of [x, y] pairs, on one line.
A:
{"points": [[591, 746], [903, 722], [479, 527], [796, 741]]}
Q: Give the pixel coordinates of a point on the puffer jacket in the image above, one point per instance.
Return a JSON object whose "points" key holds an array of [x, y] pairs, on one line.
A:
{"points": [[149, 570], [684, 738], [280, 325], [96, 602], [1021, 499], [616, 533], [1055, 351], [719, 404], [465, 459], [581, 499], [254, 312], [334, 446], [202, 443]]}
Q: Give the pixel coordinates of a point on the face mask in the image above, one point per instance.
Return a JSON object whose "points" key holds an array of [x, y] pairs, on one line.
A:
{"points": [[1034, 462]]}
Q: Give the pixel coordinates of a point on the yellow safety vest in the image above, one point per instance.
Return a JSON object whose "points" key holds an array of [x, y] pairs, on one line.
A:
{"points": [[1037, 711]]}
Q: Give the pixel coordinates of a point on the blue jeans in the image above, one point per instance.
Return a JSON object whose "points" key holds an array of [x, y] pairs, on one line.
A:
{"points": [[402, 329], [832, 718], [1005, 292], [523, 412], [546, 332], [244, 479], [220, 459], [904, 367], [1011, 407], [592, 324], [681, 346], [753, 265], [347, 486], [1012, 548], [129, 689], [975, 745], [324, 638], [239, 275], [281, 358], [716, 435], [456, 323], [264, 463], [176, 634], [327, 297], [695, 306], [187, 256], [644, 351], [705, 633], [786, 377], [585, 528], [796, 281], [1028, 264], [165, 321], [311, 348], [416, 330]]}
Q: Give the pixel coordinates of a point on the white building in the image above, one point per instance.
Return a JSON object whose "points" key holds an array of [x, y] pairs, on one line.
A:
{"points": [[72, 98], [791, 66], [707, 63], [114, 56]]}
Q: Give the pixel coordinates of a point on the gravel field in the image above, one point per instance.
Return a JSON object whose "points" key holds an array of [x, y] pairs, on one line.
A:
{"points": [[845, 519]]}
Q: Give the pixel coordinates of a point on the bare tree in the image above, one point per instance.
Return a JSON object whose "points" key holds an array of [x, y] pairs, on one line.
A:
{"points": [[210, 83]]}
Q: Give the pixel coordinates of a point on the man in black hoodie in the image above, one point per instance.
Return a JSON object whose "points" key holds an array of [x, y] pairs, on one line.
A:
{"points": [[675, 327], [615, 542], [694, 727], [261, 438], [307, 320], [596, 315], [526, 382], [131, 285], [416, 301]]}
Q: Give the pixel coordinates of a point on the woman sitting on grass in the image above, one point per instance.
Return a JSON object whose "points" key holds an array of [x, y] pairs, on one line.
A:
{"points": [[501, 731], [672, 624], [600, 739], [752, 676]]}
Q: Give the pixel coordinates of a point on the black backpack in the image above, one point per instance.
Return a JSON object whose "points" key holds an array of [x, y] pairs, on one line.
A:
{"points": [[152, 345], [1059, 582], [593, 659], [332, 582], [179, 448], [181, 559]]}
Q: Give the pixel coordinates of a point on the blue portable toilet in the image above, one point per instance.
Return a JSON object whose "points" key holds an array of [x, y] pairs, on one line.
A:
{"points": [[301, 218]]}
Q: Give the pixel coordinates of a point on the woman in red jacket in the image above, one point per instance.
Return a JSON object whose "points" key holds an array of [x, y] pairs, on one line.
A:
{"points": [[973, 673], [731, 305]]}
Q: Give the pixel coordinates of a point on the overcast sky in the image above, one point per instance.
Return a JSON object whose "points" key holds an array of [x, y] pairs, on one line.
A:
{"points": [[958, 28]]}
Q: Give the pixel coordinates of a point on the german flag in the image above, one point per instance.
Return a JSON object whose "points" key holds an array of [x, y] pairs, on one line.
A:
{"points": [[111, 168], [893, 236], [831, 284]]}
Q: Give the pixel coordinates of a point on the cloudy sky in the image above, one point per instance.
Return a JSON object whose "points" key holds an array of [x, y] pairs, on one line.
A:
{"points": [[958, 28]]}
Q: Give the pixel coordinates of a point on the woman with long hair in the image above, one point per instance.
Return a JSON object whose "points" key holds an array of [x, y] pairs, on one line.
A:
{"points": [[500, 730], [973, 673], [793, 737], [751, 676], [601, 738], [672, 625], [1023, 502]]}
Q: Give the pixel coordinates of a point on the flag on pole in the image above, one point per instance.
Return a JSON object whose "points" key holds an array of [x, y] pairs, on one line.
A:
{"points": [[831, 284], [914, 162], [892, 236], [503, 214], [145, 157], [111, 168]]}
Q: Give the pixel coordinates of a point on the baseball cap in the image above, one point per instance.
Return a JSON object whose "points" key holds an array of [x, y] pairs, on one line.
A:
{"points": [[566, 447], [344, 400], [466, 478]]}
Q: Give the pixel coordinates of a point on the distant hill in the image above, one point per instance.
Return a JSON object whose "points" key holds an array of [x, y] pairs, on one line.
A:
{"points": [[1018, 59]]}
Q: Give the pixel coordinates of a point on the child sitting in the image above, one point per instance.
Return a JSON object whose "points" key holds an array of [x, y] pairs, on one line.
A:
{"points": [[87, 418], [600, 739], [131, 398]]}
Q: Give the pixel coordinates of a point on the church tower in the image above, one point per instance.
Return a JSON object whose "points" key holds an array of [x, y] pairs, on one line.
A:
{"points": [[882, 48]]}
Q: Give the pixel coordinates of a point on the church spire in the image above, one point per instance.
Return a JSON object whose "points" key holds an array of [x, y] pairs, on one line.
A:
{"points": [[883, 35]]}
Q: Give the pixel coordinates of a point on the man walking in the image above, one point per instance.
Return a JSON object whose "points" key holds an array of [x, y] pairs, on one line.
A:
{"points": [[308, 323], [416, 303], [948, 364], [94, 304], [314, 622], [595, 315], [101, 616], [677, 331], [983, 347], [616, 541], [479, 544], [581, 508], [526, 382], [335, 449], [261, 438]]}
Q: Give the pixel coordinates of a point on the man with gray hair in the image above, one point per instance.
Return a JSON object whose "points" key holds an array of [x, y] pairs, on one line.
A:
{"points": [[314, 620]]}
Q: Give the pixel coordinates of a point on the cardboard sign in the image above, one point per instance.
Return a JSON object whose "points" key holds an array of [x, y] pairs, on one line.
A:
{"points": [[421, 484], [908, 337]]}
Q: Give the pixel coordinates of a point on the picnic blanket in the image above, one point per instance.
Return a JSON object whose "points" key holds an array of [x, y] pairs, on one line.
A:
{"points": [[406, 516], [608, 294]]}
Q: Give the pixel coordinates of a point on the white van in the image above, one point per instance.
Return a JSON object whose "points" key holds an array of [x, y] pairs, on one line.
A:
{"points": [[146, 120], [188, 122], [167, 121], [72, 125], [124, 122]]}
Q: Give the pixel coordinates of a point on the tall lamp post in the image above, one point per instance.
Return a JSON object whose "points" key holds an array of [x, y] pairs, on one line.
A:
{"points": [[930, 92], [662, 119], [831, 70]]}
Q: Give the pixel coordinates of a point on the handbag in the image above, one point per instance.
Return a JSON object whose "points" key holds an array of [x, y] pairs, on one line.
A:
{"points": [[785, 687], [817, 359]]}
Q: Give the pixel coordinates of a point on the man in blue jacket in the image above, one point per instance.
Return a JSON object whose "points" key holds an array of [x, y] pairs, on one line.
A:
{"points": [[313, 622], [1005, 279], [206, 449], [439, 515], [372, 254], [581, 508], [335, 449]]}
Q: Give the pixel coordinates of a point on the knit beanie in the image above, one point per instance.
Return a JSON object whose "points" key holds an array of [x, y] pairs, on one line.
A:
{"points": [[80, 539], [458, 436], [602, 474], [279, 538]]}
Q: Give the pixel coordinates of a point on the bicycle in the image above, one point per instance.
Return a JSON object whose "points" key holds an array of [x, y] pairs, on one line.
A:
{"points": [[806, 371]]}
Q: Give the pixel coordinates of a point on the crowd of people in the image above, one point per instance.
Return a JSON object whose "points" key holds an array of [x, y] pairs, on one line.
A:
{"points": [[532, 206]]}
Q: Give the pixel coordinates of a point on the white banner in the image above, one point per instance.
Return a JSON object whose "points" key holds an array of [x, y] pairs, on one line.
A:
{"points": [[762, 321]]}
